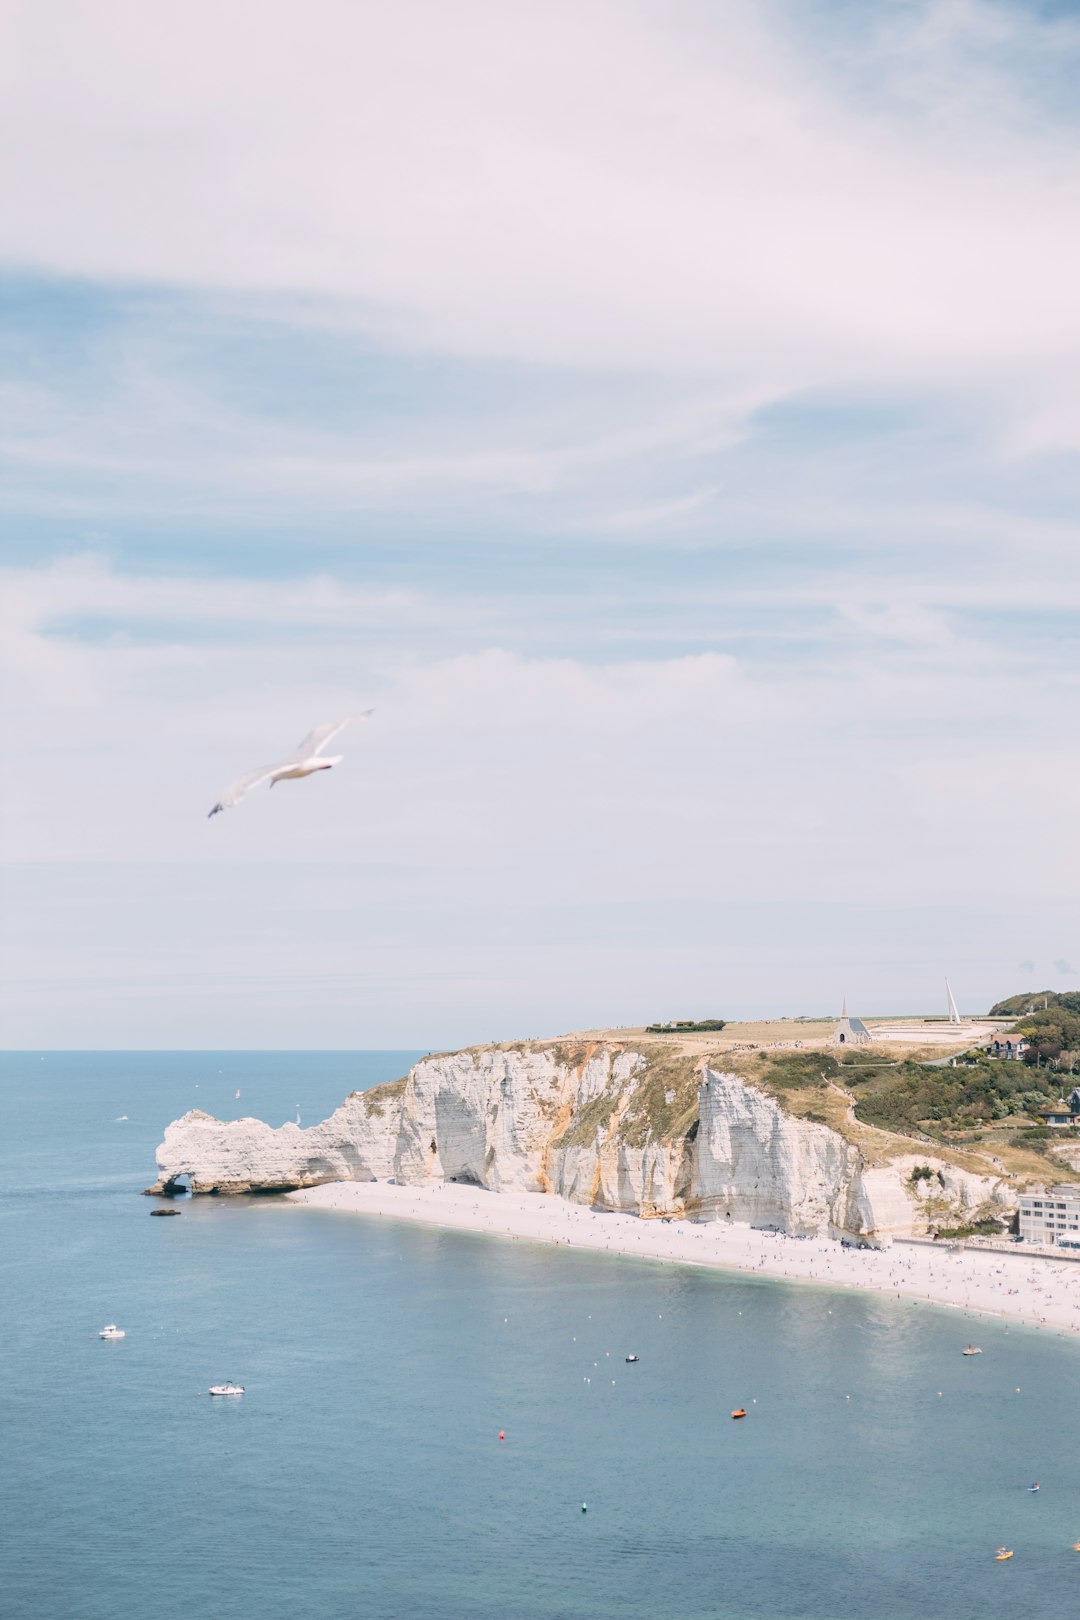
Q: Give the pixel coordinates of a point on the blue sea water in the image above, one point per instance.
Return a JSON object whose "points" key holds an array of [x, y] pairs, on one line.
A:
{"points": [[362, 1474]]}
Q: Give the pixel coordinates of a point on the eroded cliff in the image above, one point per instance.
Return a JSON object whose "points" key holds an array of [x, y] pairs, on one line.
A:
{"points": [[605, 1125]]}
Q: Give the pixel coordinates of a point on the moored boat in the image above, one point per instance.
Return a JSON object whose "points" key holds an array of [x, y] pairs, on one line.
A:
{"points": [[226, 1389], [111, 1331]]}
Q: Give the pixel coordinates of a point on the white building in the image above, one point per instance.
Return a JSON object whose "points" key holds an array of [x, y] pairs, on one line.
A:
{"points": [[850, 1031], [1051, 1215], [1009, 1045]]}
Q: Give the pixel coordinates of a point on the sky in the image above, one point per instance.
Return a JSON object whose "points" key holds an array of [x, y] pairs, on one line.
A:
{"points": [[665, 415]]}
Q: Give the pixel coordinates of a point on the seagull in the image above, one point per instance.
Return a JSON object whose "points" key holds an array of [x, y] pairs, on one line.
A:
{"points": [[304, 761]]}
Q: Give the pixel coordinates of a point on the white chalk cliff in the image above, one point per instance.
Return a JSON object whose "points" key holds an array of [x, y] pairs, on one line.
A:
{"points": [[601, 1125]]}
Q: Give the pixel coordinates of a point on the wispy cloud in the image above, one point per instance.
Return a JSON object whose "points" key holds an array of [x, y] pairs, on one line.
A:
{"points": [[760, 221], [664, 415]]}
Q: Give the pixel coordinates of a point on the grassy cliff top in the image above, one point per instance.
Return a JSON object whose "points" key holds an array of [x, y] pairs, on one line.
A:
{"points": [[891, 1098]]}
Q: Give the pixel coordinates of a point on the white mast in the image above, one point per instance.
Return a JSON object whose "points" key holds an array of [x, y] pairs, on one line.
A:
{"points": [[954, 1011]]}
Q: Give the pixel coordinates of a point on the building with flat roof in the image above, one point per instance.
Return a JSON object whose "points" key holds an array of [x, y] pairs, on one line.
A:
{"points": [[1051, 1215], [1062, 1112]]}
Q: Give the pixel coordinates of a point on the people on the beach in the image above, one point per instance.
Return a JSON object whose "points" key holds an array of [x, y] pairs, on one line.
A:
{"points": [[1043, 1291]]}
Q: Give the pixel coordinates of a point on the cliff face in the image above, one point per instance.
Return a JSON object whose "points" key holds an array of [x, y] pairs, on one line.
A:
{"points": [[617, 1128], [355, 1144]]}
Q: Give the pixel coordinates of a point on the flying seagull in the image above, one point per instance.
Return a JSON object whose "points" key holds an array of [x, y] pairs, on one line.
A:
{"points": [[304, 761]]}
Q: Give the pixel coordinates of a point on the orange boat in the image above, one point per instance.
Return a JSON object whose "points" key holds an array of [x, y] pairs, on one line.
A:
{"points": [[1003, 1553], [740, 1411]]}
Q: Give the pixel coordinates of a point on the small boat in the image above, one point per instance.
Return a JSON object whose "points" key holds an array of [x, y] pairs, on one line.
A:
{"points": [[226, 1389], [740, 1411], [1003, 1553], [1033, 1487], [972, 1350], [111, 1331], [164, 1212], [631, 1358], [1076, 1546]]}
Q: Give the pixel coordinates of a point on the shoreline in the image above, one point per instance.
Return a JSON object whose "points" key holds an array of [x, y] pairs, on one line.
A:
{"points": [[1030, 1289]]}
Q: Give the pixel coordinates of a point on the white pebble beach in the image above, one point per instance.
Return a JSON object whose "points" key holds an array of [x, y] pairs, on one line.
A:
{"points": [[1039, 1290]]}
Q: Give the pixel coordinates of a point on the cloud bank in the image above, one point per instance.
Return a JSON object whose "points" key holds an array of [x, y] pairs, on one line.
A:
{"points": [[665, 415]]}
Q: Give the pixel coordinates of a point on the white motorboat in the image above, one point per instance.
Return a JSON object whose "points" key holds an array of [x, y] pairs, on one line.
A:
{"points": [[631, 1358], [226, 1389], [972, 1350], [111, 1331]]}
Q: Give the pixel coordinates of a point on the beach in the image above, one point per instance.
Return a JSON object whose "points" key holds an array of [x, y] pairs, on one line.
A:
{"points": [[1033, 1289]]}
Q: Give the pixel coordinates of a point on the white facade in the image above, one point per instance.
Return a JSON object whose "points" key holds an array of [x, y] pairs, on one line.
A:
{"points": [[850, 1031], [1051, 1215]]}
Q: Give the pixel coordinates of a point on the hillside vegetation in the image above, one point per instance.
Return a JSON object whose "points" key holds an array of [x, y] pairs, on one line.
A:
{"points": [[909, 1097], [1034, 1001]]}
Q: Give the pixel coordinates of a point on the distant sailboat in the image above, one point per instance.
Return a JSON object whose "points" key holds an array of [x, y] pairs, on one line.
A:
{"points": [[298, 1113], [238, 1093]]}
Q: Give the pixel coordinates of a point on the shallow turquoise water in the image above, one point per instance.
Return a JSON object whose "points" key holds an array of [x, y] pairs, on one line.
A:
{"points": [[362, 1473]]}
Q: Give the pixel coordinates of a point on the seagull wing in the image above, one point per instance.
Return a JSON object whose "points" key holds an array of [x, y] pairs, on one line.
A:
{"points": [[315, 741], [244, 784], [312, 745]]}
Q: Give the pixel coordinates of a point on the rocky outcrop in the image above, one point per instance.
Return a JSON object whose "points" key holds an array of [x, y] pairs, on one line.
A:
{"points": [[600, 1125], [356, 1143]]}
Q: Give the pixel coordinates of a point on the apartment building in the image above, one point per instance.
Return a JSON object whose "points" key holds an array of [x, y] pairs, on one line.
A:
{"points": [[1051, 1215]]}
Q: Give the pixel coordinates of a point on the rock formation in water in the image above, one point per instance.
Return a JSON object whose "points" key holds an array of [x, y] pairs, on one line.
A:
{"points": [[609, 1126]]}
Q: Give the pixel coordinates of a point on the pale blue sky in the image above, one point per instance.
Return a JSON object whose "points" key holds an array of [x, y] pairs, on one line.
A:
{"points": [[665, 415]]}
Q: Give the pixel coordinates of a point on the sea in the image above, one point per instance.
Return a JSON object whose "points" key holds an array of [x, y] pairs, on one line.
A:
{"points": [[443, 1426]]}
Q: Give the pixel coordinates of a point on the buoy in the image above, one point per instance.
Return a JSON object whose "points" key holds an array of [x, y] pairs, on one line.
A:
{"points": [[502, 1434], [584, 1507]]}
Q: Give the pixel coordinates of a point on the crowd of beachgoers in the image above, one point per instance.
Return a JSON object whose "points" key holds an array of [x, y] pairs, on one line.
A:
{"points": [[1036, 1289]]}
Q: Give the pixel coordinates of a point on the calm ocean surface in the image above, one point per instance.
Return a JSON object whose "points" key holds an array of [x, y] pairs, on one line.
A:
{"points": [[362, 1473]]}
